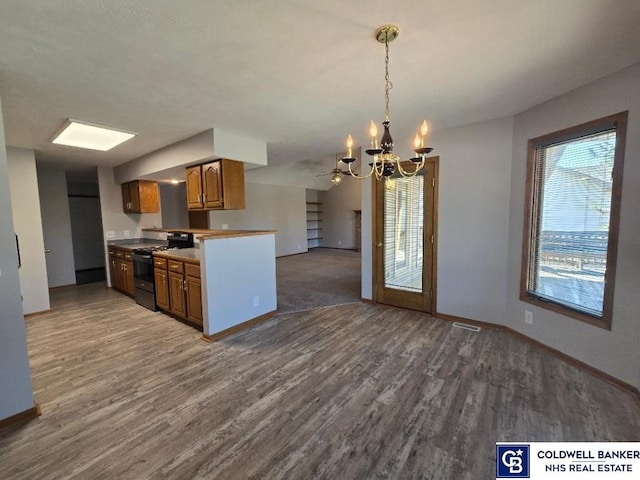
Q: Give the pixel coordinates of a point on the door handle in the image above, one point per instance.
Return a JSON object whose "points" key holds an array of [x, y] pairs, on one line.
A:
{"points": [[379, 244], [46, 250]]}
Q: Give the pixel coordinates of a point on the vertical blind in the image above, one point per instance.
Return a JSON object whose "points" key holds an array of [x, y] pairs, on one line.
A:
{"points": [[403, 233], [572, 205]]}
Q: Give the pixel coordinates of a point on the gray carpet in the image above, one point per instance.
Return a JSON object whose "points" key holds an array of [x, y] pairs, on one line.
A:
{"points": [[320, 278]]}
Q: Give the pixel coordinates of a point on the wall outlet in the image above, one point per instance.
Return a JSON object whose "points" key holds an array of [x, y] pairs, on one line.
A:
{"points": [[256, 301], [127, 233], [225, 226], [339, 242], [111, 234], [528, 317]]}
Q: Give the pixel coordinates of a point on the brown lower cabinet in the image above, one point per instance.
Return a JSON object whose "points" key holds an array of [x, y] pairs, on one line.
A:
{"points": [[121, 270], [178, 288]]}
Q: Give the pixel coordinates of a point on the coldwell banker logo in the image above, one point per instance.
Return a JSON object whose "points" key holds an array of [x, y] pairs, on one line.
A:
{"points": [[512, 461]]}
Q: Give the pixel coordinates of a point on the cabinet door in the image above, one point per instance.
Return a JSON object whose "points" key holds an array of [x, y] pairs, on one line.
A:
{"points": [[232, 184], [162, 289], [129, 285], [176, 295], [212, 182], [194, 187], [148, 196], [134, 197], [126, 198], [194, 300], [121, 279], [113, 268]]}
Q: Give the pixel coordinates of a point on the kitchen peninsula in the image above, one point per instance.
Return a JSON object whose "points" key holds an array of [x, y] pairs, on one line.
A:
{"points": [[237, 275]]}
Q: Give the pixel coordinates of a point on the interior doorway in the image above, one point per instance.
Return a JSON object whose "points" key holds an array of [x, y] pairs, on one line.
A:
{"points": [[405, 235]]}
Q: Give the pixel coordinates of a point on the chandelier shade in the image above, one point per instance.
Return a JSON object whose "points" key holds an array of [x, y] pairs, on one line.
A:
{"points": [[385, 163]]}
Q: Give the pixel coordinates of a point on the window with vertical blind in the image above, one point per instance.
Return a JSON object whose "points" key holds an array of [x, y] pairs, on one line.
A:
{"points": [[574, 183]]}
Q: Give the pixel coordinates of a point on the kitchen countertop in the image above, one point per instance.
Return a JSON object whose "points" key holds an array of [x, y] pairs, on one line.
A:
{"points": [[180, 254], [212, 234], [235, 233], [133, 243]]}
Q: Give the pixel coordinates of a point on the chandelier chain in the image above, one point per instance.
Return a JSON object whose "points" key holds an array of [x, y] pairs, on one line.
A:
{"points": [[387, 84]]}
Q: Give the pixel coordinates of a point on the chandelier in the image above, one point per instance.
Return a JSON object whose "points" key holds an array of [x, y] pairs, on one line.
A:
{"points": [[385, 162]]}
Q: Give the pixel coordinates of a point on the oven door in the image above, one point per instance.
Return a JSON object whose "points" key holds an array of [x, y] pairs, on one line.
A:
{"points": [[143, 271]]}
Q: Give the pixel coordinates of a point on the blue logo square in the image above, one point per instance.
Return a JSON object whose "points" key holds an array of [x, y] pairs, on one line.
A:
{"points": [[512, 461]]}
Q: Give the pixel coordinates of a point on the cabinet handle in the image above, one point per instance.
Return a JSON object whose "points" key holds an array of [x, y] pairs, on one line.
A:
{"points": [[204, 197]]}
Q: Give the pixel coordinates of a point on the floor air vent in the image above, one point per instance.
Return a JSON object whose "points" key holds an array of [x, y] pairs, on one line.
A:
{"points": [[464, 326]]}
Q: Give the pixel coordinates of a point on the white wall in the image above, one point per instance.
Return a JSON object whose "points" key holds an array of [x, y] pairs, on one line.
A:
{"points": [[616, 352], [56, 226], [27, 225], [16, 393], [247, 287], [114, 220], [270, 207], [338, 216], [173, 201], [473, 219]]}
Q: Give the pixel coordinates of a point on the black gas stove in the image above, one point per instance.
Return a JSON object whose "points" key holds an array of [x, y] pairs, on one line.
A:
{"points": [[143, 274]]}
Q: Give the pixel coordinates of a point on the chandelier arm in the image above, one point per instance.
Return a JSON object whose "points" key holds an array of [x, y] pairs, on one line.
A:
{"points": [[378, 166], [360, 177], [404, 173]]}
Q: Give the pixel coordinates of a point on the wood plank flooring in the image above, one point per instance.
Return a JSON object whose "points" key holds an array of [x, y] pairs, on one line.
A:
{"points": [[346, 392]]}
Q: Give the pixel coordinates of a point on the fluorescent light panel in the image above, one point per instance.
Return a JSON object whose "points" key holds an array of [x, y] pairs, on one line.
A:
{"points": [[91, 136]]}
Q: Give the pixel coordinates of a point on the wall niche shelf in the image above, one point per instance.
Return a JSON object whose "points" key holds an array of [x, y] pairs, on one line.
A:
{"points": [[314, 230]]}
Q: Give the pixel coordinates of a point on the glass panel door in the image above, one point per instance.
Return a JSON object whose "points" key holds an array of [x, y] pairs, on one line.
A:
{"points": [[404, 240]]}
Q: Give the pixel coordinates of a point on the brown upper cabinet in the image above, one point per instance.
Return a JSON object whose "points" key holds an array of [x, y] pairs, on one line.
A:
{"points": [[216, 185], [140, 196]]}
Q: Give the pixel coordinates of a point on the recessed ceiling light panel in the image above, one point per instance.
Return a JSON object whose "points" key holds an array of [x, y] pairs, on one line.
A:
{"points": [[88, 135]]}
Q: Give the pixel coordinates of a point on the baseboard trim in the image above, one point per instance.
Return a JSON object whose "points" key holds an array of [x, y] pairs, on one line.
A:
{"points": [[292, 254], [62, 287], [367, 300], [25, 416], [577, 363], [35, 314], [563, 356], [238, 328]]}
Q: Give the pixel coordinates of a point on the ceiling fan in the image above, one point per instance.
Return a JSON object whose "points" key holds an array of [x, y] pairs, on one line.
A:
{"points": [[336, 173]]}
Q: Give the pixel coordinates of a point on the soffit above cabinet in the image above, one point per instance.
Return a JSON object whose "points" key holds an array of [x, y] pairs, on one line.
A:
{"points": [[170, 161]]}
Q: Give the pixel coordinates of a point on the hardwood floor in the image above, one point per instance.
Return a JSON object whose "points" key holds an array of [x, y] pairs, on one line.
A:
{"points": [[352, 391]]}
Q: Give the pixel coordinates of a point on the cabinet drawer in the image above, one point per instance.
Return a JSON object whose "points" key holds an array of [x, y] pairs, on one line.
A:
{"points": [[119, 253], [128, 256], [176, 266], [160, 263], [192, 270]]}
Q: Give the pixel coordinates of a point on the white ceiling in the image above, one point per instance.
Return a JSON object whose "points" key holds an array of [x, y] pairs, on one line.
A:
{"points": [[298, 74]]}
